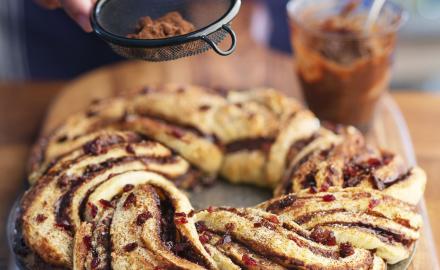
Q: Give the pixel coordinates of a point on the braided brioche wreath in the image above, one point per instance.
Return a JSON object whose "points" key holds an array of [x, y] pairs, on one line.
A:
{"points": [[105, 188]]}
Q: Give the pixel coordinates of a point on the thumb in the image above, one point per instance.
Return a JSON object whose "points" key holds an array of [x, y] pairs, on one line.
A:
{"points": [[79, 11]]}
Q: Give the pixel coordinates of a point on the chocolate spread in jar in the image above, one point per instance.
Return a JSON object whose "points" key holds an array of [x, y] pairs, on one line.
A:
{"points": [[170, 25], [342, 69]]}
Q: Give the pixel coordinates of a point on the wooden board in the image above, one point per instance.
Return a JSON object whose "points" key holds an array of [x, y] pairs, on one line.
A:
{"points": [[389, 126]]}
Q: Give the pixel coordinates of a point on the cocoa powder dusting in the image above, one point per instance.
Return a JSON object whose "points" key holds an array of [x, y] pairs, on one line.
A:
{"points": [[170, 25]]}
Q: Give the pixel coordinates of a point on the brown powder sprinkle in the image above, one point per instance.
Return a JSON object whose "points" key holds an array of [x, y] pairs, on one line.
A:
{"points": [[170, 25]]}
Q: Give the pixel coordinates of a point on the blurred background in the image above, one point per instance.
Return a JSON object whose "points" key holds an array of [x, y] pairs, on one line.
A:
{"points": [[37, 44]]}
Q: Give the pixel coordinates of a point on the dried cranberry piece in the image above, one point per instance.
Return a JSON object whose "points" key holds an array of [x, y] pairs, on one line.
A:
{"points": [[210, 209], [328, 198], [128, 188], [323, 236], [205, 237], [94, 148], [313, 190], [143, 217], [64, 224], [93, 209], [87, 240], [92, 168], [95, 262], [267, 224], [130, 149], [230, 226], [248, 260], [349, 172], [105, 203], [281, 204], [273, 219], [374, 162], [130, 247], [177, 133], [257, 224], [324, 187], [345, 250], [373, 203], [179, 214], [201, 226], [180, 220], [131, 200], [40, 218]]}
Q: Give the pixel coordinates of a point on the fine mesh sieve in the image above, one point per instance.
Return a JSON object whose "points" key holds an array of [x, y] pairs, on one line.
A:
{"points": [[113, 20]]}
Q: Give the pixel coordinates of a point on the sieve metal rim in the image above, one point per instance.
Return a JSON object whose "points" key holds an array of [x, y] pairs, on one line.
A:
{"points": [[201, 34]]}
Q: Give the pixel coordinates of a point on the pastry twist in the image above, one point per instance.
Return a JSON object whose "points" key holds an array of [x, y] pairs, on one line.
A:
{"points": [[105, 198], [258, 136], [110, 205]]}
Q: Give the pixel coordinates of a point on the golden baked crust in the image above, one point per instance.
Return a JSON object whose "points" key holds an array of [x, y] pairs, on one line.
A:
{"points": [[134, 218], [366, 218], [258, 136], [104, 192], [343, 158]]}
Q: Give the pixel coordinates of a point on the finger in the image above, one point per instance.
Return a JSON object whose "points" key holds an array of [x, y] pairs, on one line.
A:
{"points": [[79, 10], [49, 4]]}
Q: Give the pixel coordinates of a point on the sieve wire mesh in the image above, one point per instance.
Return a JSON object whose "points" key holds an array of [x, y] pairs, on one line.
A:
{"points": [[113, 20]]}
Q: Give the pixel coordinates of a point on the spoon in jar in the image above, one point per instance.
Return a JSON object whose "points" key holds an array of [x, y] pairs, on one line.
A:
{"points": [[376, 7]]}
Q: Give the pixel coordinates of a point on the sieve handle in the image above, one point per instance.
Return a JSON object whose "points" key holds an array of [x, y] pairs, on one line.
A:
{"points": [[217, 49]]}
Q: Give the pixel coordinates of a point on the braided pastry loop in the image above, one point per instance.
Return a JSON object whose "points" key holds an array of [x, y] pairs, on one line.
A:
{"points": [[105, 191], [258, 136]]}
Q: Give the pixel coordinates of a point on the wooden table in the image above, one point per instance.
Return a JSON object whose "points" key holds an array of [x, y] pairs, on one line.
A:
{"points": [[23, 107]]}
